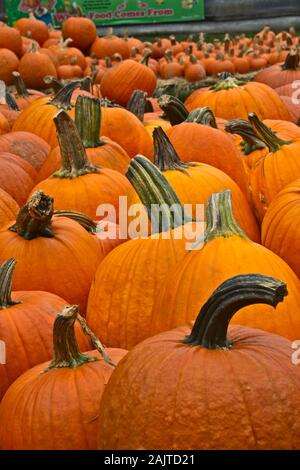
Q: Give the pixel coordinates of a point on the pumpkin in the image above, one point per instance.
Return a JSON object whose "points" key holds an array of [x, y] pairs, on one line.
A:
{"points": [[207, 387], [79, 185], [222, 64], [280, 231], [120, 81], [171, 68], [38, 116], [8, 109], [70, 255], [201, 143], [81, 30], [75, 382], [109, 45], [9, 62], [232, 99], [226, 252], [10, 38], [160, 47], [195, 182], [27, 146], [23, 96], [32, 28], [4, 124], [26, 323], [194, 70], [8, 208], [281, 74], [294, 109], [123, 127], [63, 54], [125, 286], [67, 72], [34, 66], [16, 176], [279, 167]]}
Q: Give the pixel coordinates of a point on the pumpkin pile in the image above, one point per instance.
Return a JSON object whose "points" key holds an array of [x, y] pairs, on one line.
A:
{"points": [[167, 230]]}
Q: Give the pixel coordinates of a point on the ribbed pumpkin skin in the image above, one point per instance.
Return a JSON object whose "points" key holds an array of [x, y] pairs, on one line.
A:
{"points": [[185, 290], [63, 404], [38, 119], [281, 224], [111, 155], [167, 395], [8, 208], [272, 173], [85, 193], [26, 145], [33, 67], [237, 103], [120, 81], [70, 260], [16, 176], [276, 77], [127, 130], [27, 331], [283, 129], [125, 286], [196, 184], [198, 143]]}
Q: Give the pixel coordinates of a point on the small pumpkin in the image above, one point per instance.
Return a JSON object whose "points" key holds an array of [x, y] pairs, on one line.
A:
{"points": [[34, 66], [81, 30], [108, 45], [9, 62], [32, 28], [10, 38]]}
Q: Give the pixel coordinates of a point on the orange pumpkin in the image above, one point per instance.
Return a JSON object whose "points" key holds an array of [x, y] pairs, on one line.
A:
{"points": [[75, 381], [23, 96], [281, 74], [34, 66], [109, 45], [8, 208], [32, 28], [16, 176], [9, 62], [81, 30], [10, 38]]}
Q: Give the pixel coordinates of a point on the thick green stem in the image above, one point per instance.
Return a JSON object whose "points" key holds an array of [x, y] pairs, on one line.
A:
{"points": [[173, 108], [62, 99], [160, 200], [227, 82], [88, 121], [66, 350], [211, 326], [6, 275], [165, 155], [34, 219], [251, 141], [271, 140], [73, 154], [220, 221], [137, 104], [203, 116]]}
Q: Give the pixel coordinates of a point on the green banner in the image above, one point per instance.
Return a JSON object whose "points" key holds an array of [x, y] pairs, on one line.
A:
{"points": [[108, 12]]}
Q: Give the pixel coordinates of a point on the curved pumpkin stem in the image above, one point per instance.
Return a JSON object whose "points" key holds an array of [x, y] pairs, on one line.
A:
{"points": [[137, 104], [54, 83], [73, 155], [6, 275], [165, 155], [220, 221], [272, 141], [88, 121], [203, 116], [160, 200], [34, 219], [65, 346], [62, 99], [211, 325], [173, 108], [20, 85], [84, 220], [243, 128]]}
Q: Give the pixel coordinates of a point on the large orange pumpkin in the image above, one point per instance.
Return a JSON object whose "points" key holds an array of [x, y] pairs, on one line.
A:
{"points": [[70, 255], [207, 388], [69, 389], [16, 176], [79, 185], [280, 227], [232, 99], [226, 252], [26, 323], [281, 74]]}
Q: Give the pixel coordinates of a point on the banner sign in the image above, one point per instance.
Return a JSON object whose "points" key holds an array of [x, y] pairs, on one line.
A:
{"points": [[108, 12]]}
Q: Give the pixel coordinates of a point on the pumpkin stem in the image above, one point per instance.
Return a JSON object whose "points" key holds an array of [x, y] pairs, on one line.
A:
{"points": [[20, 85], [146, 57], [220, 221], [7, 98], [34, 219], [173, 108], [137, 104], [227, 82], [272, 141], [54, 83], [292, 60], [88, 121], [211, 326], [84, 220], [73, 154], [165, 155], [6, 274], [251, 141], [86, 83], [62, 99], [160, 200], [203, 116], [66, 350]]}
